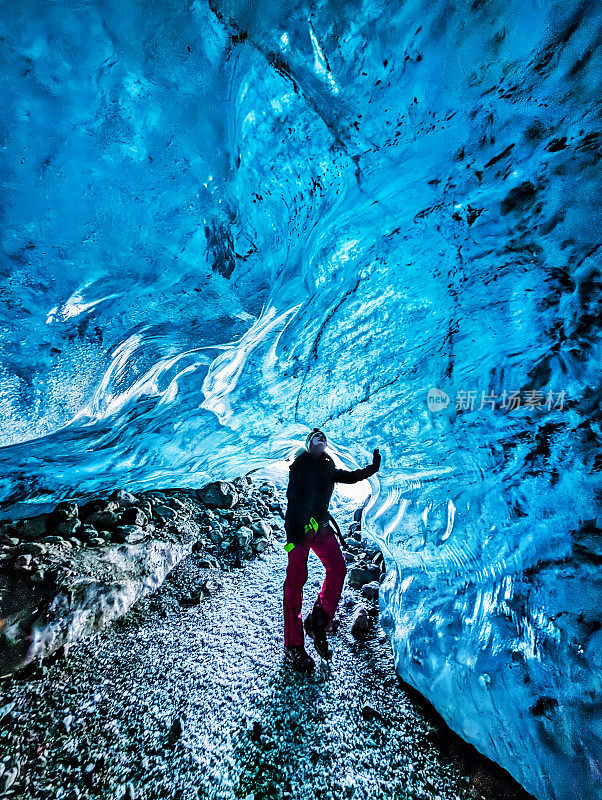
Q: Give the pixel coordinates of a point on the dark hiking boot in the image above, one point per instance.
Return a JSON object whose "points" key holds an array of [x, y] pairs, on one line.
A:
{"points": [[315, 626], [299, 659]]}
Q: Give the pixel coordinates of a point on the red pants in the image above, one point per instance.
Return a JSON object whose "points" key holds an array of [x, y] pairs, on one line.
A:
{"points": [[326, 547]]}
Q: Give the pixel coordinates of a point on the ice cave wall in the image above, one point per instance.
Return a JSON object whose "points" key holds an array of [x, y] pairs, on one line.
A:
{"points": [[223, 223]]}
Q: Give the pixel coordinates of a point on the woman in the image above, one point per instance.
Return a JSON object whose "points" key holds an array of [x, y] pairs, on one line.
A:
{"points": [[311, 483]]}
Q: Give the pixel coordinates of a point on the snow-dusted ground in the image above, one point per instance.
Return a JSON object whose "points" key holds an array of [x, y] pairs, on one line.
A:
{"points": [[196, 702]]}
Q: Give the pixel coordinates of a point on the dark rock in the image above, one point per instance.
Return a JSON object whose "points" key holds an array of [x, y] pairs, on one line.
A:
{"points": [[123, 499], [24, 562], [174, 733], [349, 557], [193, 598], [261, 529], [68, 527], [164, 514], [103, 520], [218, 495], [360, 624], [370, 590], [133, 516], [369, 713], [243, 536], [357, 514], [259, 544], [86, 532], [34, 548], [145, 507], [31, 529], [211, 586], [91, 507], [358, 576], [351, 545], [64, 512]]}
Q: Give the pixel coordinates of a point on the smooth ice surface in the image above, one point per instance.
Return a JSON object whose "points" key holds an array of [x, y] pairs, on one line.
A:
{"points": [[225, 223]]}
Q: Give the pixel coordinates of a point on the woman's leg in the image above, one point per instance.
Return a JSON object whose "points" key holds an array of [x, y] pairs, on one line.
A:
{"points": [[326, 547], [296, 575]]}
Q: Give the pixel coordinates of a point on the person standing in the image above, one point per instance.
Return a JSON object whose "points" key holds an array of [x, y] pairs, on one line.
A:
{"points": [[312, 476]]}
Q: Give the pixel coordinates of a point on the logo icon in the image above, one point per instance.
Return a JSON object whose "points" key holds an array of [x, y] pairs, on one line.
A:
{"points": [[437, 399]]}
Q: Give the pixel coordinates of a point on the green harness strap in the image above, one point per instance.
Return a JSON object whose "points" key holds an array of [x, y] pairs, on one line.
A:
{"points": [[312, 525]]}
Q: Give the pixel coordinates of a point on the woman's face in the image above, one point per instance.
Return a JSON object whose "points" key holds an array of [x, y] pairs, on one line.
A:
{"points": [[318, 444]]}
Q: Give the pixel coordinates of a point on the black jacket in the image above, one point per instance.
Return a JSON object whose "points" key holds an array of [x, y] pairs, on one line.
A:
{"points": [[310, 487]]}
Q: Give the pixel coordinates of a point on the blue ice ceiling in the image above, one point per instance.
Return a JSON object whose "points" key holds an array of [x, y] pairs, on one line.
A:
{"points": [[225, 222]]}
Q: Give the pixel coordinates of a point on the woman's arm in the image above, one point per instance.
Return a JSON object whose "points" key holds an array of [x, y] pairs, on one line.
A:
{"points": [[345, 476]]}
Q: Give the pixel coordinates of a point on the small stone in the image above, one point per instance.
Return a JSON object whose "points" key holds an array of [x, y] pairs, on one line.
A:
{"points": [[258, 545], [370, 590], [210, 586], [351, 544], [216, 535], [243, 536], [261, 529], [174, 733], [360, 625], [369, 713], [267, 488]]}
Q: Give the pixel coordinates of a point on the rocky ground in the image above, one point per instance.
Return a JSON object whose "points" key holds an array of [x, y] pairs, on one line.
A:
{"points": [[186, 694]]}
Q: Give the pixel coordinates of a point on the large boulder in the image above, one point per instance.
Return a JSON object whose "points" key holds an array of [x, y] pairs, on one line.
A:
{"points": [[63, 513], [219, 494]]}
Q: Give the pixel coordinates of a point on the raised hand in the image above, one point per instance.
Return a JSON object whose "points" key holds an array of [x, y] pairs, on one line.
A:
{"points": [[376, 459]]}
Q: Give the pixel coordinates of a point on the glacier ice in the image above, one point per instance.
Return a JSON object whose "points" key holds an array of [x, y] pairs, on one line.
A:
{"points": [[224, 223]]}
